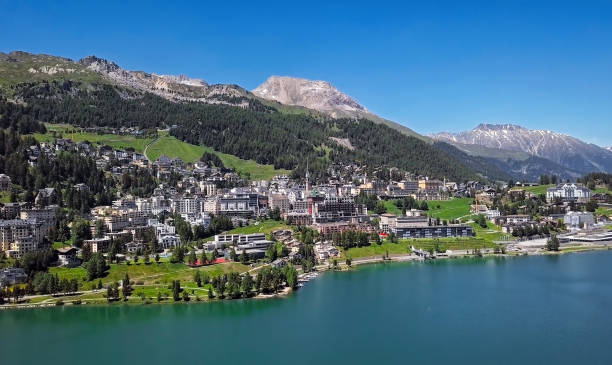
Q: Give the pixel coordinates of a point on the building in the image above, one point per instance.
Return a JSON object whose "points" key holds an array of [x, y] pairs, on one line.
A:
{"points": [[168, 241], [98, 244], [186, 205], [579, 220], [568, 193], [280, 202], [413, 218], [67, 256], [453, 230], [18, 236], [12, 276], [430, 185], [5, 182]]}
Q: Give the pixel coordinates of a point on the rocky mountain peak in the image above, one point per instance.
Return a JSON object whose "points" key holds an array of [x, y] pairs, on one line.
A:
{"points": [[559, 148], [312, 94], [100, 65]]}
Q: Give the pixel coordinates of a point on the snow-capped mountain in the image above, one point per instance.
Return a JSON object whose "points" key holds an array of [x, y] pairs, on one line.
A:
{"points": [[565, 150]]}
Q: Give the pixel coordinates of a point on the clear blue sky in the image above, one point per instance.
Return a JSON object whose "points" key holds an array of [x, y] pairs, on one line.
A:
{"points": [[432, 66]]}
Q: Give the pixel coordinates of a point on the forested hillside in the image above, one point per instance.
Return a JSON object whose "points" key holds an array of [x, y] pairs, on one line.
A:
{"points": [[257, 132]]}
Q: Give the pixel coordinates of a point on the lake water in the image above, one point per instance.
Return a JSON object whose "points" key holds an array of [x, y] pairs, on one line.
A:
{"points": [[528, 310]]}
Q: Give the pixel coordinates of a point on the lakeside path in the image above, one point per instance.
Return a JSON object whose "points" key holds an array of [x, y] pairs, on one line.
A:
{"points": [[319, 268]]}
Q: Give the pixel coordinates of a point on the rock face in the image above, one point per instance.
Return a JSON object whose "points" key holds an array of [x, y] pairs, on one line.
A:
{"points": [[323, 97], [562, 149], [317, 95], [170, 87]]}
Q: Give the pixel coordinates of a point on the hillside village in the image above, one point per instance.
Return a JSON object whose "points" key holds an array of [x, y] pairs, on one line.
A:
{"points": [[202, 215]]}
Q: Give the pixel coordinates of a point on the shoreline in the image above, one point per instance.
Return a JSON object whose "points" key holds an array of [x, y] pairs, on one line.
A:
{"points": [[319, 270]]}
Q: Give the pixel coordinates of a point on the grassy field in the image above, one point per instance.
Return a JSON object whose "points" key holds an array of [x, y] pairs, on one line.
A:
{"points": [[449, 209], [5, 197], [165, 145], [403, 246], [537, 190], [604, 211], [391, 208], [116, 141], [150, 274]]}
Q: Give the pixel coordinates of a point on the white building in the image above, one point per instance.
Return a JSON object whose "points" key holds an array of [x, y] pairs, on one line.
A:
{"points": [[568, 192], [579, 220]]}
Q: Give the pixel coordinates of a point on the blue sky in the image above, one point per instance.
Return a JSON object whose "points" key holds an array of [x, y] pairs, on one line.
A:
{"points": [[431, 65]]}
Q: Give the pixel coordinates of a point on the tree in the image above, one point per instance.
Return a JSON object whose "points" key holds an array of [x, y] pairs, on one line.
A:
{"points": [[100, 228], [80, 232], [146, 258], [176, 290], [233, 255], [349, 262], [291, 276], [197, 278], [96, 266], [157, 258], [192, 258], [178, 255], [247, 284], [99, 284], [244, 257], [552, 244], [86, 253], [126, 286], [185, 296]]}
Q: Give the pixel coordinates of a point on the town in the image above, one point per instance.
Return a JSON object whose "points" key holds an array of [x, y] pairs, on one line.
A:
{"points": [[143, 230]]}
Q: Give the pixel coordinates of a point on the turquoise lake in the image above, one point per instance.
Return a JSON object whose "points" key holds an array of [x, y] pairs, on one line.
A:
{"points": [[527, 310]]}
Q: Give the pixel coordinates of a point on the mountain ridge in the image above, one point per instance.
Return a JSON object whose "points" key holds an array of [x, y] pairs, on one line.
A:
{"points": [[562, 149], [324, 97]]}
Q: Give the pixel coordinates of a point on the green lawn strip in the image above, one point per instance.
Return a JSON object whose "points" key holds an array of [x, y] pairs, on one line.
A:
{"points": [[604, 211], [116, 141], [537, 190], [153, 273], [403, 246], [392, 208], [5, 197], [449, 209], [172, 147]]}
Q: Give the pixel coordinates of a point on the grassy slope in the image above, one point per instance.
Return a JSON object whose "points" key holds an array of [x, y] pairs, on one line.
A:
{"points": [[151, 274], [449, 209], [114, 140], [403, 246], [537, 190], [172, 147], [166, 145]]}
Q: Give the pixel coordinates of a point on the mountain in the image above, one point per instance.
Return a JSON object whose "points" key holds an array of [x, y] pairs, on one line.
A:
{"points": [[170, 87], [609, 148], [570, 153], [21, 67], [321, 96], [94, 92]]}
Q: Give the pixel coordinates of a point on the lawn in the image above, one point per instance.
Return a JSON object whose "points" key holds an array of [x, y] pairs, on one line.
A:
{"points": [[604, 211], [172, 147], [403, 246], [151, 274], [449, 209], [5, 197], [165, 145], [392, 208], [267, 227], [537, 190], [116, 141]]}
